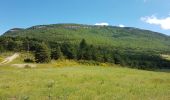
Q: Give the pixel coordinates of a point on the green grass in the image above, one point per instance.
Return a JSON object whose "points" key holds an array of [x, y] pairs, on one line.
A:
{"points": [[1, 59], [83, 83]]}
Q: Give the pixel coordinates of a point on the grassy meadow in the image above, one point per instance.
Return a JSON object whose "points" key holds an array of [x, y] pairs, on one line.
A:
{"points": [[82, 83], [70, 80]]}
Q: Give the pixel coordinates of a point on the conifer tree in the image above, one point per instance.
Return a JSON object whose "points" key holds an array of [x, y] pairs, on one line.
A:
{"points": [[57, 54], [82, 50], [42, 53]]}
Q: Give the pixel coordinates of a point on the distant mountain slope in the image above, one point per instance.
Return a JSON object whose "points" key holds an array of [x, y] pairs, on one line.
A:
{"points": [[131, 38]]}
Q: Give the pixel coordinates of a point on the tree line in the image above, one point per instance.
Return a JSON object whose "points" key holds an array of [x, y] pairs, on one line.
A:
{"points": [[44, 52]]}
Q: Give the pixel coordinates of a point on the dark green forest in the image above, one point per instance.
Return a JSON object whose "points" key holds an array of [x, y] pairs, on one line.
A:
{"points": [[45, 51], [127, 46]]}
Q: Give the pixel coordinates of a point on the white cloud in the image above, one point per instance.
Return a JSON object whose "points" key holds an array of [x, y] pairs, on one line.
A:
{"points": [[164, 23], [102, 24], [121, 25]]}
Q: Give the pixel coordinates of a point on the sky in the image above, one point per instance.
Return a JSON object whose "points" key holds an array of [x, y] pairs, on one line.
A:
{"points": [[145, 14]]}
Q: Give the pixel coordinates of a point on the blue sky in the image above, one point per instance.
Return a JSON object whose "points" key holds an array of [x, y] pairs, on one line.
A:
{"points": [[146, 14]]}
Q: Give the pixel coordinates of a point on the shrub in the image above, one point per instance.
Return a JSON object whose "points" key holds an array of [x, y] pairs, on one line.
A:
{"points": [[29, 60]]}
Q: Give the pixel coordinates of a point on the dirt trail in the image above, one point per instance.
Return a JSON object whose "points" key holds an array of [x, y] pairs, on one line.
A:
{"points": [[24, 65], [10, 59]]}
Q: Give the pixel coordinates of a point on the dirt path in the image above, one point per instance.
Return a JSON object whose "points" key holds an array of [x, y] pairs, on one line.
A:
{"points": [[10, 59], [24, 65]]}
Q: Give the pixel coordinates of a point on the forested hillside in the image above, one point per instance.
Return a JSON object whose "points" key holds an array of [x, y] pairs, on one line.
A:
{"points": [[117, 37], [131, 47]]}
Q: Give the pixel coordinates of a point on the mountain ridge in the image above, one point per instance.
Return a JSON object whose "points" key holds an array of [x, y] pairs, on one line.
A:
{"points": [[119, 37]]}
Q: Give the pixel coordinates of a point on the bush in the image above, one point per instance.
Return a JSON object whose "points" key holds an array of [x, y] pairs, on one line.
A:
{"points": [[29, 60]]}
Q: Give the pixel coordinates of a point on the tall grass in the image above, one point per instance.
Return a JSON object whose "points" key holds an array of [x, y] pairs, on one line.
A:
{"points": [[83, 83]]}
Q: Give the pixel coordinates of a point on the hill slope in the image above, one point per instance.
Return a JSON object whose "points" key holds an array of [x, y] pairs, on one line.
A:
{"points": [[131, 38]]}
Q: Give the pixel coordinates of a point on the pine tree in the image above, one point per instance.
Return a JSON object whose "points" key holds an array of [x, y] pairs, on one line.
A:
{"points": [[11, 45], [82, 50], [117, 58], [57, 54], [69, 51], [42, 53], [83, 44]]}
